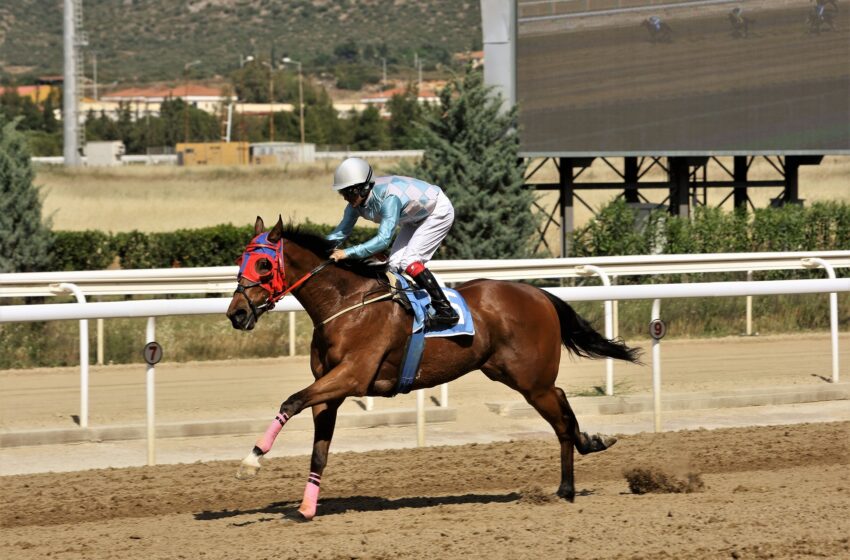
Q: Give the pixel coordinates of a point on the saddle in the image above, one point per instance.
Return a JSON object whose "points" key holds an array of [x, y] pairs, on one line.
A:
{"points": [[415, 302]]}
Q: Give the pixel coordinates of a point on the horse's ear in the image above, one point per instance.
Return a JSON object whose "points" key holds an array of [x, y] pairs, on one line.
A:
{"points": [[259, 226], [277, 231]]}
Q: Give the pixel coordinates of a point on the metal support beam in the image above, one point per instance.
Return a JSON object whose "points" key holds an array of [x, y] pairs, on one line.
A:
{"points": [[630, 176], [679, 186], [739, 175], [565, 201]]}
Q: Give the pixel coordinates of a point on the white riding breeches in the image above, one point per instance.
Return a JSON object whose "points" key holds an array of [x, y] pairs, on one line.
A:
{"points": [[419, 242]]}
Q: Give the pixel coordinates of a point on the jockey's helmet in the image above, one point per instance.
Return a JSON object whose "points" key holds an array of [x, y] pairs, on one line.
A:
{"points": [[353, 172]]}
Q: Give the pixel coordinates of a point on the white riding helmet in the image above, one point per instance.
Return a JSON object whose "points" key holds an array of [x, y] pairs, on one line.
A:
{"points": [[352, 172]]}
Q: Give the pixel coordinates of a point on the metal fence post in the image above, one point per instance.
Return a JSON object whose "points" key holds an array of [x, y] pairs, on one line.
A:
{"points": [[84, 355], [656, 368], [150, 389], [833, 312]]}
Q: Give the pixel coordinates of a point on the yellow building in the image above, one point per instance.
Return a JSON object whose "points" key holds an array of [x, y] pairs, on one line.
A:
{"points": [[212, 153]]}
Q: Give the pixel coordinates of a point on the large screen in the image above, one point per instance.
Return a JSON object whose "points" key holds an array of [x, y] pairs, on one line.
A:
{"points": [[633, 77]]}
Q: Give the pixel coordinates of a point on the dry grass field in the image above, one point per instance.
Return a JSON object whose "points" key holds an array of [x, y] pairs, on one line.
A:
{"points": [[167, 198]]}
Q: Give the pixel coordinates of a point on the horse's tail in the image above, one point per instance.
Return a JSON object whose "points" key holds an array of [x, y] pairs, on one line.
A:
{"points": [[581, 338]]}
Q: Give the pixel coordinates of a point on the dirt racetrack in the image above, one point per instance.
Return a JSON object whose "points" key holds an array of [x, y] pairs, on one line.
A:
{"points": [[770, 492]]}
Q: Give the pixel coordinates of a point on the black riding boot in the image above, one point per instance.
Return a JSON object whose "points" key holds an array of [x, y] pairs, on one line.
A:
{"points": [[444, 314]]}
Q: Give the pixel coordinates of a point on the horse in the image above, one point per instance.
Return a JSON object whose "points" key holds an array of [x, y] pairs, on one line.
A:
{"points": [[659, 32], [821, 17], [740, 24], [359, 341]]}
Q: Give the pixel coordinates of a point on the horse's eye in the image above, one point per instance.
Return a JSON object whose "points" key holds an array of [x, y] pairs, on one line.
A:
{"points": [[263, 267]]}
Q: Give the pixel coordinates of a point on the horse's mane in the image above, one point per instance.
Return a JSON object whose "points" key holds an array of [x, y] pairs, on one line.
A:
{"points": [[322, 247]]}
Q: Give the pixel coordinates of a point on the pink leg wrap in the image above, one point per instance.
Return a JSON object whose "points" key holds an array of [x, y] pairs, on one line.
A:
{"points": [[265, 443], [311, 496]]}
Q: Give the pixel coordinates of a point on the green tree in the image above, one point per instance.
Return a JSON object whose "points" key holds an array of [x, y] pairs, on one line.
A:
{"points": [[24, 238], [370, 131], [471, 151], [405, 112]]}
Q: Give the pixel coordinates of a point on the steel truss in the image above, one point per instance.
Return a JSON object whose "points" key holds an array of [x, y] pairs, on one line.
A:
{"points": [[687, 183]]}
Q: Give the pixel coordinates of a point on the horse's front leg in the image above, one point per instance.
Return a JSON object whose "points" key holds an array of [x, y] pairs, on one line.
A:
{"points": [[324, 421], [339, 383]]}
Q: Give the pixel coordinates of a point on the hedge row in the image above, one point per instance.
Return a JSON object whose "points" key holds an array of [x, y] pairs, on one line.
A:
{"points": [[213, 246], [619, 230]]}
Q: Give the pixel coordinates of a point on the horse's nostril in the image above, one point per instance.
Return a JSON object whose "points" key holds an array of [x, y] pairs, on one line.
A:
{"points": [[237, 318]]}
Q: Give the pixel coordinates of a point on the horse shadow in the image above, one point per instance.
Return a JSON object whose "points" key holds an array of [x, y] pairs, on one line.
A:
{"points": [[337, 506]]}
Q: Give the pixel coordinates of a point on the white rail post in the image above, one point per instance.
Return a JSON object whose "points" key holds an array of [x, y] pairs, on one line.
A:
{"points": [[444, 395], [749, 306], [420, 417], [833, 312], [100, 342], [84, 355], [656, 368], [292, 333], [609, 323], [616, 309], [150, 384]]}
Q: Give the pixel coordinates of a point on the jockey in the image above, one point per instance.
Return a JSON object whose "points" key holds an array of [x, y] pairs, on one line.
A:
{"points": [[423, 212], [655, 22]]}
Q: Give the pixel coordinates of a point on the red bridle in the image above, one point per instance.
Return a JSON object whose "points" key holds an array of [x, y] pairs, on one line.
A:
{"points": [[262, 265]]}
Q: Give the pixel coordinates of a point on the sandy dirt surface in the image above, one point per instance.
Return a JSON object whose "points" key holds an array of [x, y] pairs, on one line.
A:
{"points": [[49, 398], [770, 492], [775, 492]]}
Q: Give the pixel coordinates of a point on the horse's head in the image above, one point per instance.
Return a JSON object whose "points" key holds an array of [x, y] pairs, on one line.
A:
{"points": [[261, 280]]}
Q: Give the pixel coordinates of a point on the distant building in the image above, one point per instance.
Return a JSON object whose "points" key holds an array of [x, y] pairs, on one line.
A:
{"points": [[426, 95], [147, 101], [43, 88], [475, 57]]}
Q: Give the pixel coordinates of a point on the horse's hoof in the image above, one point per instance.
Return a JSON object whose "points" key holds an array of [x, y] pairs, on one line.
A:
{"points": [[306, 514], [249, 467], [607, 441], [597, 442], [567, 494]]}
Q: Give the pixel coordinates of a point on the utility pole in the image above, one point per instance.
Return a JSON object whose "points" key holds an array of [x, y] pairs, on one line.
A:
{"points": [[70, 124], [94, 74], [186, 98], [384, 61], [271, 98], [287, 60]]}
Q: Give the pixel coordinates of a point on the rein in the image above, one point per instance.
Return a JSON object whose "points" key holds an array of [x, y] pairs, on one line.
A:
{"points": [[278, 278], [353, 307]]}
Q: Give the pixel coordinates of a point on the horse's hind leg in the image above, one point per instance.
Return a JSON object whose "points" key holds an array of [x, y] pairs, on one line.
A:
{"points": [[584, 442], [552, 404]]}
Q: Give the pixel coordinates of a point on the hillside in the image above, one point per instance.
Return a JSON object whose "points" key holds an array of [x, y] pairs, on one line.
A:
{"points": [[150, 40]]}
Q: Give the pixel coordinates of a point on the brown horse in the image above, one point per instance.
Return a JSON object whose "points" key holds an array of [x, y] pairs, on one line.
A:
{"points": [[519, 330]]}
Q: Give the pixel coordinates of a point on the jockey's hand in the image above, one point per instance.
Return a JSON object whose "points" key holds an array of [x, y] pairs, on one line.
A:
{"points": [[338, 255]]}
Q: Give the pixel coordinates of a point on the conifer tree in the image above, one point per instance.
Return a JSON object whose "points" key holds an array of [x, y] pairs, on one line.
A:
{"points": [[471, 152], [24, 239]]}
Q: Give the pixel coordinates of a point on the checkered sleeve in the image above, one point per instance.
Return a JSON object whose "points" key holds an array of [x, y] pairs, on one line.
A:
{"points": [[390, 214]]}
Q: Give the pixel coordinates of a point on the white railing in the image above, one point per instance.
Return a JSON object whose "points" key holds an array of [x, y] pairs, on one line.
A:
{"points": [[171, 159], [222, 279], [154, 308]]}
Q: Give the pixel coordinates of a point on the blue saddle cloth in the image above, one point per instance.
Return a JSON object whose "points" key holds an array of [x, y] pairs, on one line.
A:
{"points": [[419, 301]]}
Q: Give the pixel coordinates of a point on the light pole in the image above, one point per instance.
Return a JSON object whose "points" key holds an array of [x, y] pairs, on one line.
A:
{"points": [[271, 100], [186, 98], [287, 60]]}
